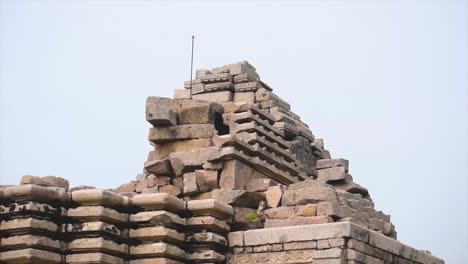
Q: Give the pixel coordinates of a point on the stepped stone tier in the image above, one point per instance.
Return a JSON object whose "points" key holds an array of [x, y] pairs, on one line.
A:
{"points": [[235, 177]]}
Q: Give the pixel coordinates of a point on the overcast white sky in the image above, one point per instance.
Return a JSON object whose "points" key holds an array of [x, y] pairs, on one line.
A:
{"points": [[383, 82]]}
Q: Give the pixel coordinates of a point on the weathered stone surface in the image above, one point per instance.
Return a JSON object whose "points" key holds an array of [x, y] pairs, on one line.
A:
{"points": [[162, 151], [235, 175], [90, 244], [46, 181], [203, 113], [331, 174], [26, 224], [159, 249], [207, 223], [91, 228], [161, 217], [298, 220], [171, 190], [259, 184], [126, 187], [173, 133], [331, 163], [206, 256], [190, 183], [210, 207], [245, 97], [30, 256], [157, 234], [239, 198], [308, 191], [207, 238], [290, 257], [15, 242], [154, 261], [93, 258], [159, 201], [159, 167], [95, 197], [190, 160], [97, 213], [217, 97], [142, 185], [15, 210], [36, 193], [182, 94], [207, 180], [273, 196]]}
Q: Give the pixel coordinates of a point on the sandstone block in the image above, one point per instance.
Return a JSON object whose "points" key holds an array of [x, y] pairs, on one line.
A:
{"points": [[142, 185], [161, 217], [159, 167], [154, 261], [245, 97], [308, 191], [24, 225], [201, 72], [331, 163], [185, 161], [95, 197], [236, 239], [300, 245], [235, 175], [46, 181], [216, 97], [259, 184], [97, 227], [159, 201], [36, 193], [210, 207], [97, 213], [98, 243], [190, 183], [207, 238], [239, 198], [273, 196], [13, 210], [100, 258], [205, 256], [207, 223], [331, 174], [202, 113], [207, 180], [171, 190], [162, 151], [159, 249], [157, 234], [30, 256], [25, 241], [174, 133], [298, 220], [126, 187], [182, 94], [216, 77]]}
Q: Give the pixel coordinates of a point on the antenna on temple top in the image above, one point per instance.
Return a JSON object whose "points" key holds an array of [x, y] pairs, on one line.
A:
{"points": [[191, 64]]}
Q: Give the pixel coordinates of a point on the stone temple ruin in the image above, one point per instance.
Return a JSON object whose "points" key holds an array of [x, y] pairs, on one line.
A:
{"points": [[235, 177]]}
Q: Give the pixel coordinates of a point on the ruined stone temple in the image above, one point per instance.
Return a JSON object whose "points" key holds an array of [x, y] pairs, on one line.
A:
{"points": [[235, 176]]}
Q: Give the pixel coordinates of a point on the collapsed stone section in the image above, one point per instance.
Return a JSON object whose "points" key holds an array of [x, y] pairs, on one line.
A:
{"points": [[235, 176]]}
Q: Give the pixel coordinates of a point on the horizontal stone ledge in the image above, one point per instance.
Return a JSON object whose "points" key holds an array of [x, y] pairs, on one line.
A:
{"points": [[154, 261], [301, 233], [159, 201], [30, 256], [37, 193], [94, 258], [210, 207], [92, 197], [97, 213]]}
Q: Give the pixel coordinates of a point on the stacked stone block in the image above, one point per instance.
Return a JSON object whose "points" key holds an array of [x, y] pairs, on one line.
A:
{"points": [[31, 215], [98, 227], [157, 232]]}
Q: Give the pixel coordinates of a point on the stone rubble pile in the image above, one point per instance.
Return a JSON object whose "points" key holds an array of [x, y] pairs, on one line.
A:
{"points": [[233, 177]]}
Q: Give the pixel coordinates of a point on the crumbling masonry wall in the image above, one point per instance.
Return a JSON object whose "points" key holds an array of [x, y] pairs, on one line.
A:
{"points": [[235, 177]]}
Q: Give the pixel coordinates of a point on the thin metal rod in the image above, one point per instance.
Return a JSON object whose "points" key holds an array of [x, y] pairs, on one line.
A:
{"points": [[191, 64]]}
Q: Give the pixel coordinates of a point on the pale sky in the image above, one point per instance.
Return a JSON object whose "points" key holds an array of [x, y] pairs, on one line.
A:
{"points": [[383, 82]]}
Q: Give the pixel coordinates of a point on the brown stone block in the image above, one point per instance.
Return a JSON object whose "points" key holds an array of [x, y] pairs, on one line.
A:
{"points": [[32, 256], [159, 167], [210, 207], [162, 151], [207, 223], [93, 258], [157, 234], [216, 97], [273, 196], [37, 193], [239, 198], [159, 249], [160, 135], [298, 220], [87, 245], [171, 190], [202, 113], [161, 217], [97, 213], [159, 201], [25, 225], [95, 197], [28, 241], [46, 181], [207, 180], [205, 256], [154, 261]]}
